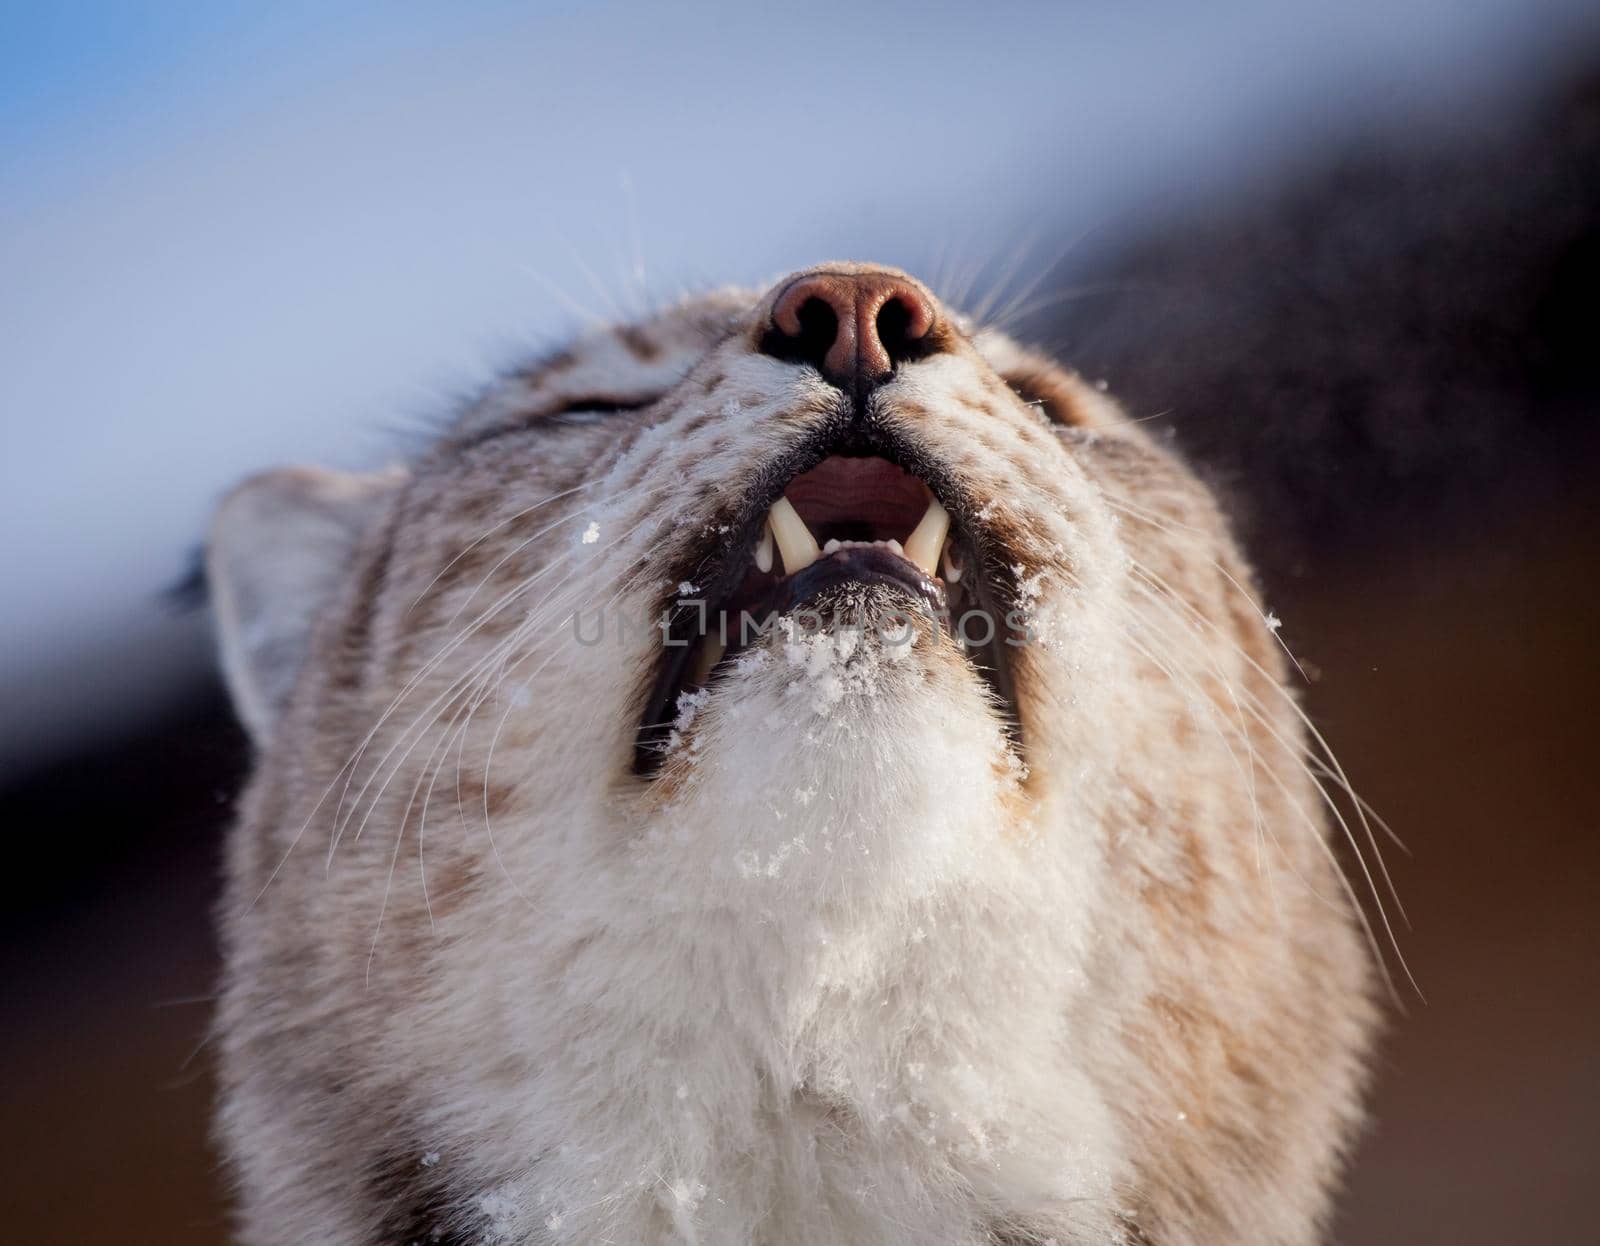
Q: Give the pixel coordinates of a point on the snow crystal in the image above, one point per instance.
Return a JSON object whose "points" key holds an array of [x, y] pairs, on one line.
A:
{"points": [[687, 589], [1273, 622], [591, 534], [430, 1158], [750, 660], [688, 1193], [1029, 587], [500, 1210], [689, 702], [824, 668], [750, 865]]}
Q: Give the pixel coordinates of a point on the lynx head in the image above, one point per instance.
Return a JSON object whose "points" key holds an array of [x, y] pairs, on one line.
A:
{"points": [[814, 691]]}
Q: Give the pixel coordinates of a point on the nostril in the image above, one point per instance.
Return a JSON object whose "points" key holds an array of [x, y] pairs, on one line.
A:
{"points": [[902, 327], [818, 327], [805, 325]]}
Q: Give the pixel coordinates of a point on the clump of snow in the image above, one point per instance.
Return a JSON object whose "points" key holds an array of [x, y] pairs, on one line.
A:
{"points": [[829, 666], [687, 589], [1273, 622], [591, 534], [688, 1194], [751, 660], [430, 1158], [1035, 623], [1030, 588], [690, 701], [500, 1210], [750, 864]]}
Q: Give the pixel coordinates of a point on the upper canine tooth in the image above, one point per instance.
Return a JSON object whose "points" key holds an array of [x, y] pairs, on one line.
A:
{"points": [[796, 546], [764, 547], [924, 544]]}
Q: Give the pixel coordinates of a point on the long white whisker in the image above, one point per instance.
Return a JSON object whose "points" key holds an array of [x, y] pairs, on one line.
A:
{"points": [[1167, 599], [489, 532], [1156, 521], [347, 770], [427, 667], [562, 297], [1168, 595], [536, 617]]}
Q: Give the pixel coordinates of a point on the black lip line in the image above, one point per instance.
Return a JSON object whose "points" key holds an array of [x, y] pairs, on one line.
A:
{"points": [[850, 436], [868, 564]]}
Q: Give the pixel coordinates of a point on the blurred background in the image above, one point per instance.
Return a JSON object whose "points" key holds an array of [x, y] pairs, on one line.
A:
{"points": [[1343, 254]]}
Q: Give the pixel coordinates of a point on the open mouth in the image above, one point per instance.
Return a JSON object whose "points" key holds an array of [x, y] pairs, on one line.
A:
{"points": [[850, 519]]}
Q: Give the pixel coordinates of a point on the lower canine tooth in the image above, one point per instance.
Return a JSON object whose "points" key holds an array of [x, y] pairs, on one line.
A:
{"points": [[951, 564], [764, 548], [796, 546], [925, 543], [710, 654]]}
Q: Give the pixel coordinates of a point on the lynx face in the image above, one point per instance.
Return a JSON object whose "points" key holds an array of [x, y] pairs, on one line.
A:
{"points": [[794, 769]]}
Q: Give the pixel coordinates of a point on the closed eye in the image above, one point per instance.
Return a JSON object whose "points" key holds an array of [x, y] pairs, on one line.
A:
{"points": [[597, 406], [584, 410]]}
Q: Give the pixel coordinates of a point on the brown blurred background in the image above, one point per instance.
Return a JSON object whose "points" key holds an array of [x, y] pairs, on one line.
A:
{"points": [[1385, 355]]}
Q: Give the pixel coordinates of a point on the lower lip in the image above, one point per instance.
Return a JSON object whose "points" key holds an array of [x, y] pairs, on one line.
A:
{"points": [[857, 565]]}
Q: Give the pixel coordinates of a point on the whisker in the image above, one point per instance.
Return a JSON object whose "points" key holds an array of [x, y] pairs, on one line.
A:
{"points": [[346, 772], [489, 532], [561, 296], [536, 618], [1130, 508], [1167, 598]]}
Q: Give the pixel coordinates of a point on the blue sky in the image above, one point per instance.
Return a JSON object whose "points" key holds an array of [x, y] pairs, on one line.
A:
{"points": [[233, 236]]}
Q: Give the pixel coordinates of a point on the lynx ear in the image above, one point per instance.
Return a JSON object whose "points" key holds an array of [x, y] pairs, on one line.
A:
{"points": [[279, 547]]}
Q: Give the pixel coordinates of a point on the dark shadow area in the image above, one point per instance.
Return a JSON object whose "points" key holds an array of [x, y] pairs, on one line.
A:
{"points": [[110, 965], [1399, 335]]}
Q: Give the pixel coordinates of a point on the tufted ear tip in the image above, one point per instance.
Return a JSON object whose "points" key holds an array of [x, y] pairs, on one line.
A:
{"points": [[277, 552]]}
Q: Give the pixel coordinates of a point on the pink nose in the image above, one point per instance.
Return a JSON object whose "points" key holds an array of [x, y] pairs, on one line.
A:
{"points": [[853, 327]]}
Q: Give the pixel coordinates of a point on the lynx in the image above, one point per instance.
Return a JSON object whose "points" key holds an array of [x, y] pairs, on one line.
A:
{"points": [[798, 768]]}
